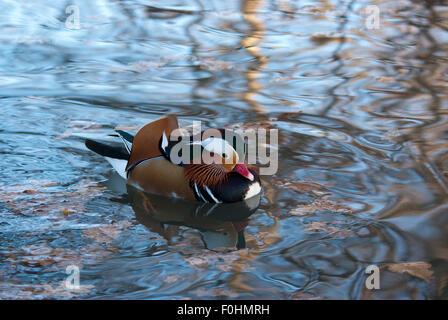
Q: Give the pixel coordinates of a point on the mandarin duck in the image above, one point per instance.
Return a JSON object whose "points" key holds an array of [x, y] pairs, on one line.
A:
{"points": [[146, 162]]}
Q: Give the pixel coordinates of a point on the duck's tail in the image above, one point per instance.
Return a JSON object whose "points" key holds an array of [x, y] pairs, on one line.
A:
{"points": [[117, 156]]}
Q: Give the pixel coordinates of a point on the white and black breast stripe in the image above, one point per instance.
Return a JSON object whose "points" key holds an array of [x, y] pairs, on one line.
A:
{"points": [[198, 193], [205, 194], [215, 199], [164, 142]]}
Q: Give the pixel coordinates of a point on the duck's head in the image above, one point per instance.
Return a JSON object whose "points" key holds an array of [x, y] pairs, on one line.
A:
{"points": [[228, 151], [220, 147]]}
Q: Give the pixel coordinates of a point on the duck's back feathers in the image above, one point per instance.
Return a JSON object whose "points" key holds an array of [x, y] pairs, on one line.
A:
{"points": [[146, 142]]}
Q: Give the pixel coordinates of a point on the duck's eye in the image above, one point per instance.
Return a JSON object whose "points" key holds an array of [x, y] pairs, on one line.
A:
{"points": [[212, 154], [224, 155]]}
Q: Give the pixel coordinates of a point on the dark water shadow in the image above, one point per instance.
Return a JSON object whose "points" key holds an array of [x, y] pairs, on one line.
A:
{"points": [[220, 224]]}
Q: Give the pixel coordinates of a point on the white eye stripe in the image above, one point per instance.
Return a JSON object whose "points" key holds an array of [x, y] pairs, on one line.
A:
{"points": [[219, 146]]}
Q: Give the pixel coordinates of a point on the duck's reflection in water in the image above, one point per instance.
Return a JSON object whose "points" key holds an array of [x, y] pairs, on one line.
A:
{"points": [[221, 224]]}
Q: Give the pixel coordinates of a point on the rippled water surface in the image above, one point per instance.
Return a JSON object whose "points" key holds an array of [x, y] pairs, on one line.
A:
{"points": [[362, 116]]}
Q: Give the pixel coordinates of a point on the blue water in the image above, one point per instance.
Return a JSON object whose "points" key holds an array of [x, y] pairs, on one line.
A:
{"points": [[363, 145]]}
